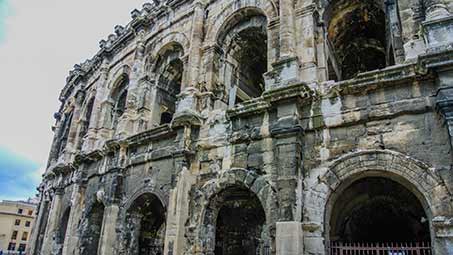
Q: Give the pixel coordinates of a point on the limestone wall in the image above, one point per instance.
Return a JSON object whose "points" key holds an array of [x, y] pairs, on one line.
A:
{"points": [[116, 161]]}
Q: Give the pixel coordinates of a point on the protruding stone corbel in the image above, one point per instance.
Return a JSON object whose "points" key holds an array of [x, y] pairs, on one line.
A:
{"points": [[444, 104], [187, 113], [135, 14]]}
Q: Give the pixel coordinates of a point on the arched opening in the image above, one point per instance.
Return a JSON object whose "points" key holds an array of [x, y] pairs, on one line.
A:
{"points": [[119, 97], [41, 228], [85, 122], [64, 133], [166, 117], [356, 33], [378, 211], [240, 224], [145, 223], [244, 40], [63, 227], [170, 69], [92, 230]]}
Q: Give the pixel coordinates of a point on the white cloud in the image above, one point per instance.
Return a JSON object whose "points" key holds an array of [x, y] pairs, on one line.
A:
{"points": [[43, 40]]}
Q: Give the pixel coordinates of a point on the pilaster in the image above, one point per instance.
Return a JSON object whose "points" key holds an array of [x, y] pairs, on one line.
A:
{"points": [[187, 105], [195, 44], [306, 19], [53, 223], [285, 70], [72, 237], [39, 226], [107, 240], [71, 145], [443, 231], [395, 31], [286, 133], [128, 122], [92, 141], [178, 211]]}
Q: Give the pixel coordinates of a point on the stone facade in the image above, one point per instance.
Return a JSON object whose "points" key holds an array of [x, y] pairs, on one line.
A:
{"points": [[255, 127]]}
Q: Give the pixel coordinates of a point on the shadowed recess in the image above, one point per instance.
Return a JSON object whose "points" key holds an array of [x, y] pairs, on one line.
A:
{"points": [[386, 207]]}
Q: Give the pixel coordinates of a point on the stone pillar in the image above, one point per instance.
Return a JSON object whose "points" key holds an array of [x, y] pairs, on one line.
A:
{"points": [[186, 107], [444, 105], [289, 238], [287, 34], [211, 56], [395, 31], [415, 45], [107, 240], [437, 29], [39, 226], [308, 47], [128, 122], [286, 133], [93, 140], [72, 237], [153, 104], [195, 45], [71, 145], [286, 69], [178, 211], [443, 235], [144, 104], [53, 154], [53, 222]]}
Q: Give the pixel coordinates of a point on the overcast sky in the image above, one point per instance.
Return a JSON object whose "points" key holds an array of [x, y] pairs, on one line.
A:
{"points": [[40, 41]]}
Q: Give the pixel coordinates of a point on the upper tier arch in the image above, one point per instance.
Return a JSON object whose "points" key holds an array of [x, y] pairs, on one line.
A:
{"points": [[238, 9]]}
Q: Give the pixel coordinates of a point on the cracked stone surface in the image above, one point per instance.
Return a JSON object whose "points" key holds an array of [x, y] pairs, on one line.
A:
{"points": [[255, 127]]}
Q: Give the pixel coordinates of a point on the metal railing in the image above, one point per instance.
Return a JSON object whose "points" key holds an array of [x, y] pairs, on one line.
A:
{"points": [[383, 248]]}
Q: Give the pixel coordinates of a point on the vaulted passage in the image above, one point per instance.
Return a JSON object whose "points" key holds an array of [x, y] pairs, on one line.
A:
{"points": [[240, 224], [170, 69], [119, 97], [377, 210], [91, 230], [356, 31], [244, 40], [145, 223]]}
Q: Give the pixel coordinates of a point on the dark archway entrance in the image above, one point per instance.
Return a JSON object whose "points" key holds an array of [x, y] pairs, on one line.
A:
{"points": [[145, 222], [240, 223], [91, 230], [375, 211]]}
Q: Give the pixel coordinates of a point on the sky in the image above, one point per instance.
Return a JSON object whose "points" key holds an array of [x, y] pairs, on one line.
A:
{"points": [[40, 41]]}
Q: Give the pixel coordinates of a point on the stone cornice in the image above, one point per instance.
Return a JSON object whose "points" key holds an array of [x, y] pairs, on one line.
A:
{"points": [[121, 37], [363, 83], [161, 132], [157, 133]]}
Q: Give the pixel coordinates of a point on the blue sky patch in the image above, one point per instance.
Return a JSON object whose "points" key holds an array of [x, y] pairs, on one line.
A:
{"points": [[4, 11], [17, 176]]}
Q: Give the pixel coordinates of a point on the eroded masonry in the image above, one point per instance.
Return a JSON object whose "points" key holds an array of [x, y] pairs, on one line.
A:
{"points": [[250, 127]]}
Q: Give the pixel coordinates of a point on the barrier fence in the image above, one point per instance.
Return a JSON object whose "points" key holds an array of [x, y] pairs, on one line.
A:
{"points": [[384, 248]]}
